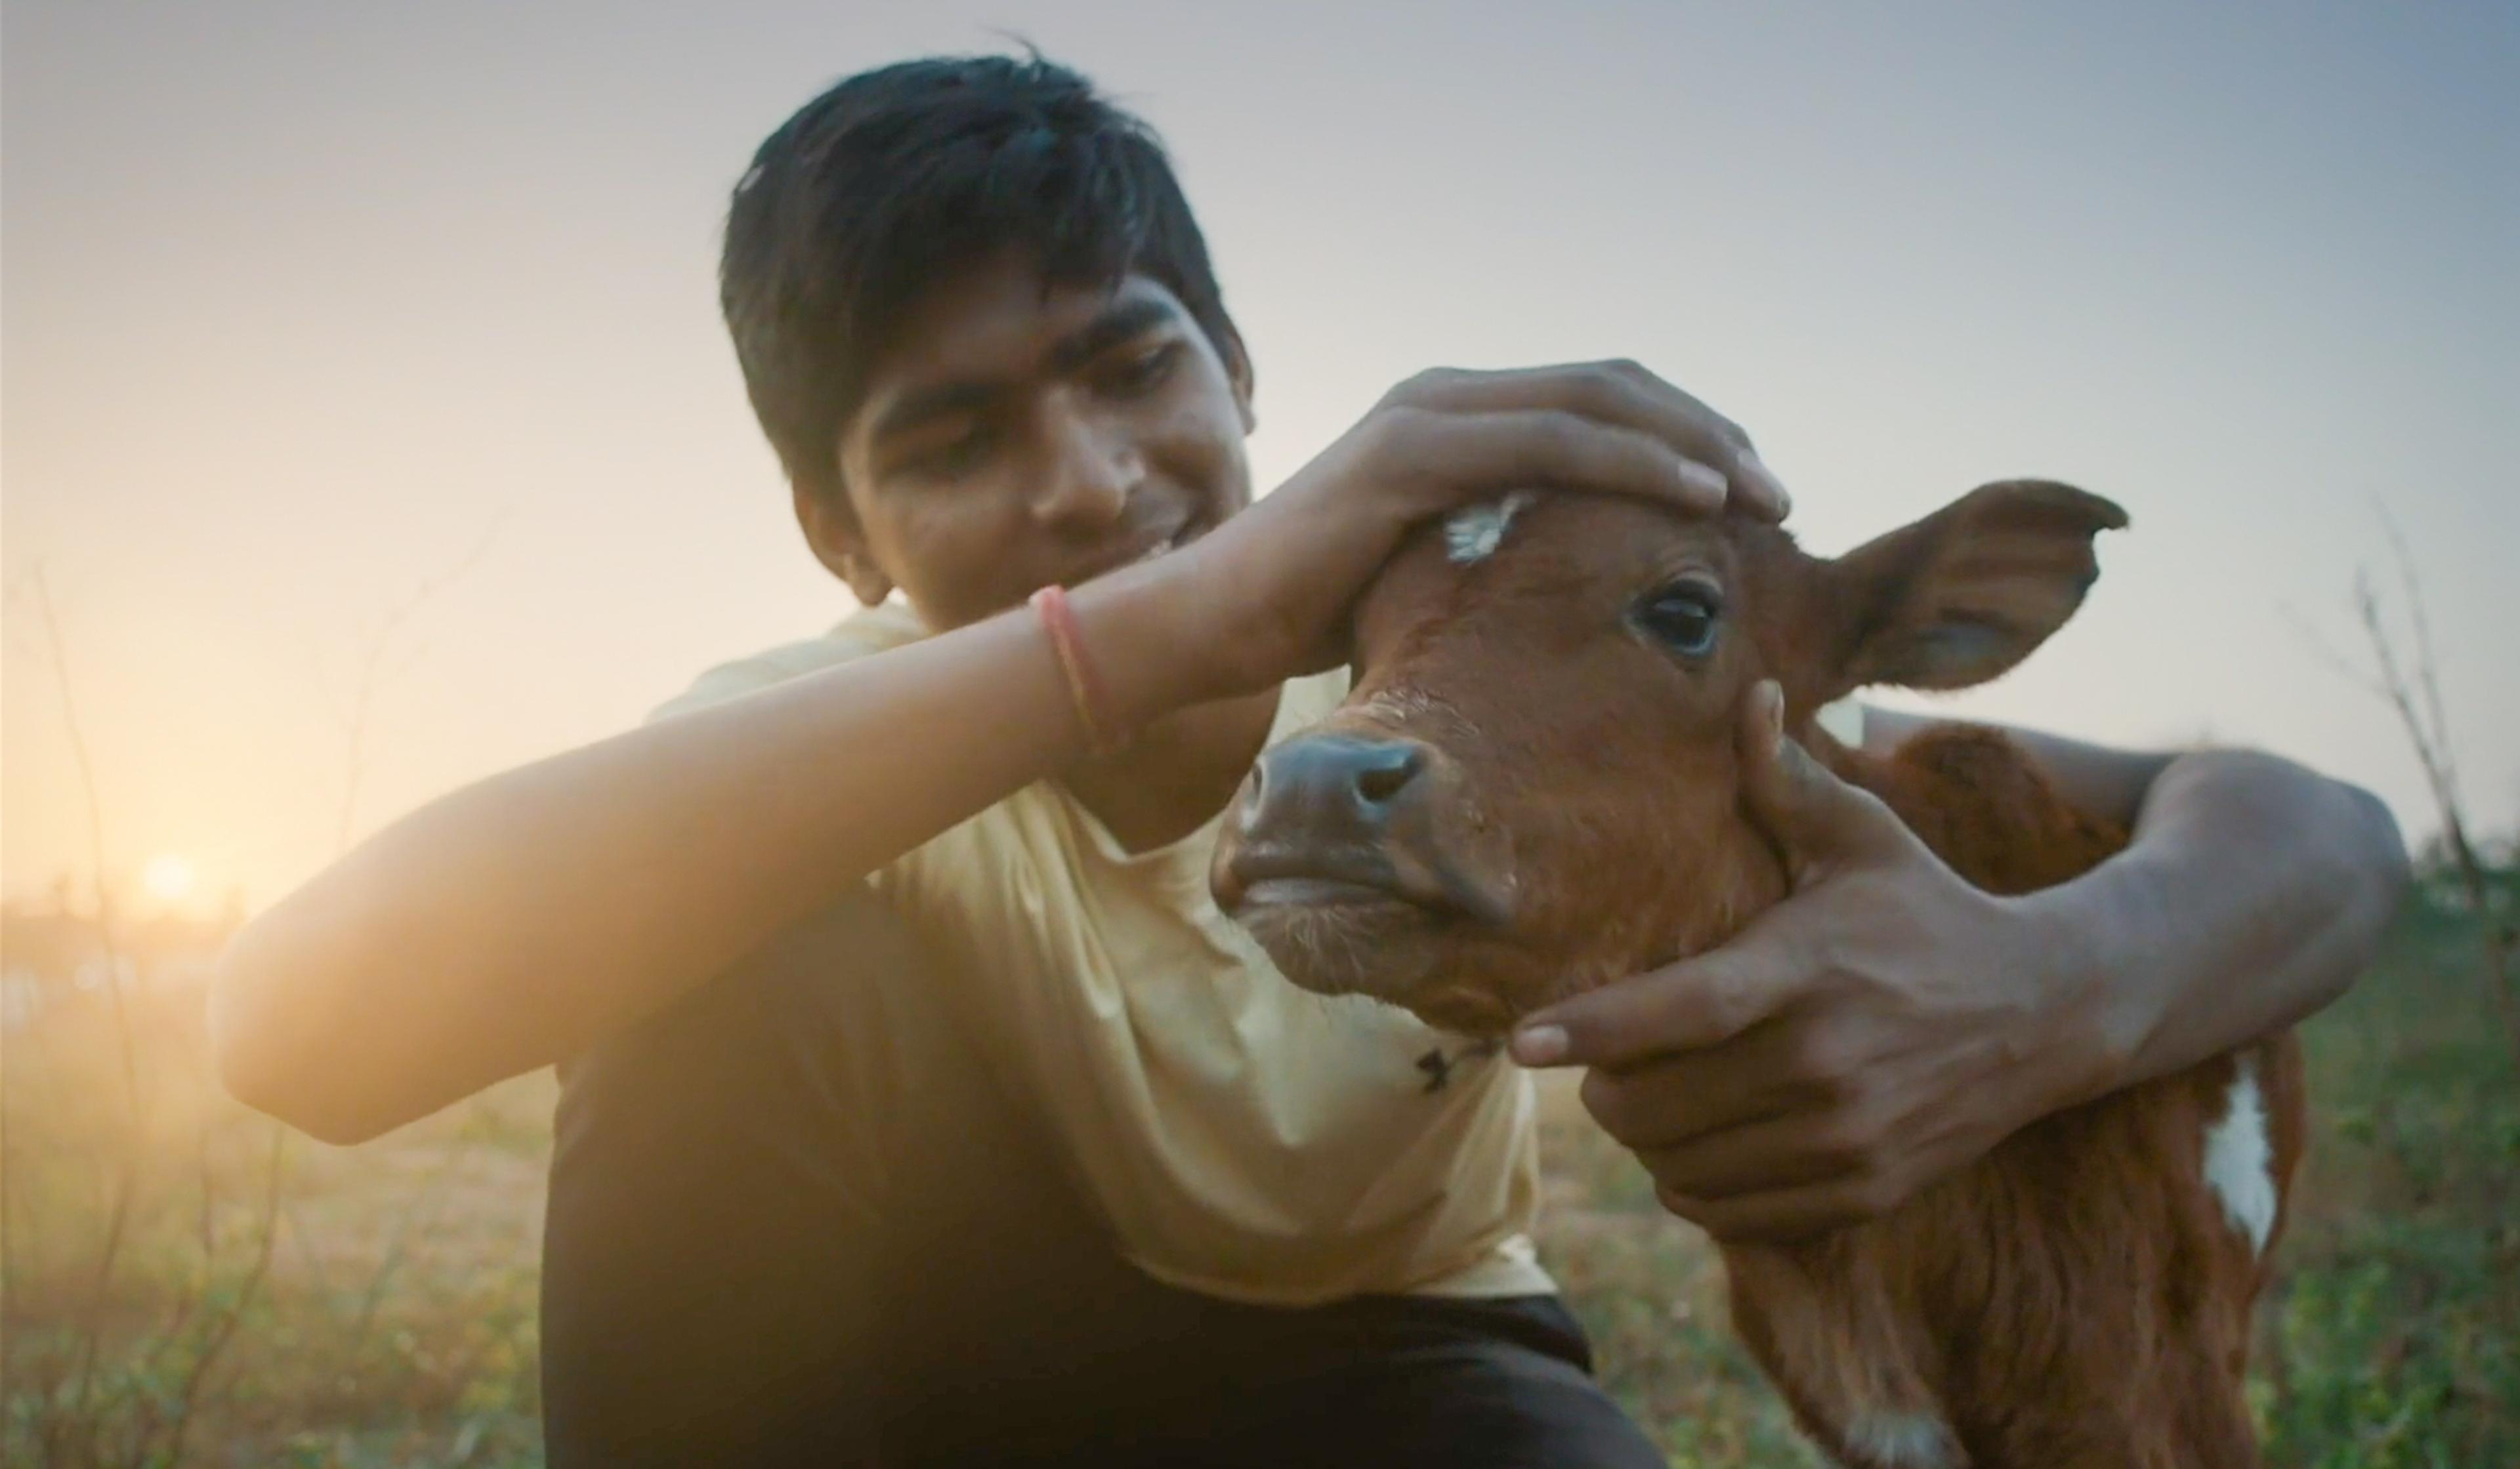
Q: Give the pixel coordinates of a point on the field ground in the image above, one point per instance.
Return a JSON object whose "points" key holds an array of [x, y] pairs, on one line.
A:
{"points": [[394, 1322]]}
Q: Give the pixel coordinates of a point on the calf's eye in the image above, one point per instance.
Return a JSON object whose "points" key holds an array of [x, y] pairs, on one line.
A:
{"points": [[1681, 617]]}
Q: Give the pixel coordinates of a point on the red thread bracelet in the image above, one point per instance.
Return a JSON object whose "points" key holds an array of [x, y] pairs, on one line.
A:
{"points": [[1084, 688]]}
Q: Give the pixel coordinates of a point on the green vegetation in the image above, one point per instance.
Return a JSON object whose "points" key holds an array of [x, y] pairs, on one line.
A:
{"points": [[394, 1322], [2392, 1340]]}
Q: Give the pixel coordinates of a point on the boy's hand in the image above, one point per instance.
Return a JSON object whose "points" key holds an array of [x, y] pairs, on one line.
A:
{"points": [[1882, 1028], [1283, 575]]}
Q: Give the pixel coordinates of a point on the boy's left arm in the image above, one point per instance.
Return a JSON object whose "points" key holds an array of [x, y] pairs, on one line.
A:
{"points": [[2252, 894], [1890, 1023]]}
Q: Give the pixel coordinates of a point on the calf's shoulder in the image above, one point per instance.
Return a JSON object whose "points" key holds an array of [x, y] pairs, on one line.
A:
{"points": [[1979, 801]]}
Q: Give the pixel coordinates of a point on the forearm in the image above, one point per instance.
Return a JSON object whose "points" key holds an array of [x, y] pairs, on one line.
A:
{"points": [[2252, 894], [507, 924]]}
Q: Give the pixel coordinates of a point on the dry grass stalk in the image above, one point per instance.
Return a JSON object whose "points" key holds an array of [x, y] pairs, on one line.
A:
{"points": [[2408, 679]]}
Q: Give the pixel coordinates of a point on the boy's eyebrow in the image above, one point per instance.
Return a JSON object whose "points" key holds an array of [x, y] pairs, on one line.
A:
{"points": [[1114, 325], [910, 410]]}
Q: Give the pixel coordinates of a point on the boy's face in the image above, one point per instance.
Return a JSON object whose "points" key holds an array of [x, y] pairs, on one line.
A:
{"points": [[1014, 436]]}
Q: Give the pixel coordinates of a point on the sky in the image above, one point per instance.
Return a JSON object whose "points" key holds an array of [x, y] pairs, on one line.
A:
{"points": [[383, 338]]}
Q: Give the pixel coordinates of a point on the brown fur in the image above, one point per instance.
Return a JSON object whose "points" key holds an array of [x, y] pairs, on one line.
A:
{"points": [[2075, 1298]]}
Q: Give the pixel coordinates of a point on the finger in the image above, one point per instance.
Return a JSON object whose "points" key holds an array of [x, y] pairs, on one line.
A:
{"points": [[1757, 489], [1762, 1157], [1462, 457], [1669, 1012], [1783, 1214], [1665, 1103], [1628, 395], [1803, 805]]}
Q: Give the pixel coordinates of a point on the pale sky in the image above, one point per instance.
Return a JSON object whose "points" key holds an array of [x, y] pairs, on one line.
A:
{"points": [[306, 303]]}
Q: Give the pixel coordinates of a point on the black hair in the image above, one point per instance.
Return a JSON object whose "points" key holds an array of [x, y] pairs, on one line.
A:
{"points": [[896, 176]]}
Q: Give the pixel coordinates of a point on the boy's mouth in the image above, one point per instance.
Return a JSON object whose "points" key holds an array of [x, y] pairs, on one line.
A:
{"points": [[1170, 542], [1182, 535]]}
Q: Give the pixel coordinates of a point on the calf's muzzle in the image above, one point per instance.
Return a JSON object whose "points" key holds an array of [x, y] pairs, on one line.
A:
{"points": [[1330, 817]]}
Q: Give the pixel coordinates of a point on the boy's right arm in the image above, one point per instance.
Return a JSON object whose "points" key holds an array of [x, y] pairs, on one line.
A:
{"points": [[510, 923]]}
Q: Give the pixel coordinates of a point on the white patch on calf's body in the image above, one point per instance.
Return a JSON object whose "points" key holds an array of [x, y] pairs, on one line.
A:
{"points": [[1473, 532], [2239, 1160], [1902, 1440]]}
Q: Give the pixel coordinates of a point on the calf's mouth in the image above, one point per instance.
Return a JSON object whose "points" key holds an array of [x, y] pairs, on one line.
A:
{"points": [[1356, 860]]}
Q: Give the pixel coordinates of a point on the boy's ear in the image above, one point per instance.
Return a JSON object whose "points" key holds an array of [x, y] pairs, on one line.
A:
{"points": [[831, 527], [1967, 592], [1237, 372]]}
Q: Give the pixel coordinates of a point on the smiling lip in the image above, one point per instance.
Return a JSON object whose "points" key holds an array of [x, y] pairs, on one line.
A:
{"points": [[1171, 541]]}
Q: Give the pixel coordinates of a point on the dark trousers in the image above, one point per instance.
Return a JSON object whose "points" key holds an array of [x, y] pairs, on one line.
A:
{"points": [[793, 1223]]}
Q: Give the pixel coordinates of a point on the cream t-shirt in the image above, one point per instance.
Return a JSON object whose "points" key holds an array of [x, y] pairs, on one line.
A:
{"points": [[1241, 1137]]}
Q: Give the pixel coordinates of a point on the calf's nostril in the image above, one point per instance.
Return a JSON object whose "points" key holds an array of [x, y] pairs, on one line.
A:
{"points": [[1321, 789], [1385, 772]]}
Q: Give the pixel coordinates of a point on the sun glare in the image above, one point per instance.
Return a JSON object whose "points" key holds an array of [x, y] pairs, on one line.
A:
{"points": [[167, 877]]}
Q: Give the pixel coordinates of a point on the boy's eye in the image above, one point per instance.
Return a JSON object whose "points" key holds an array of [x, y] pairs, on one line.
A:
{"points": [[1681, 617], [1140, 372], [963, 451]]}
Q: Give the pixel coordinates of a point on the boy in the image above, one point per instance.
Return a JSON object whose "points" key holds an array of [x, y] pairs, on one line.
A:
{"points": [[917, 1101]]}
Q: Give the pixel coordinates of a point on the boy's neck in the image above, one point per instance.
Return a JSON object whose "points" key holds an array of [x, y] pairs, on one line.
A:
{"points": [[1180, 771]]}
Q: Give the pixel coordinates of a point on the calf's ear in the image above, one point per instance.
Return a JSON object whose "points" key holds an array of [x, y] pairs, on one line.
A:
{"points": [[1967, 592]]}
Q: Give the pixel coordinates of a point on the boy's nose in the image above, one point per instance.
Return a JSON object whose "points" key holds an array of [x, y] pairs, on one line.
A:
{"points": [[1088, 480]]}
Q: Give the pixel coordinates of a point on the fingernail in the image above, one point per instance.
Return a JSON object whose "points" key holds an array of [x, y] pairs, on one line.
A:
{"points": [[1705, 480], [1756, 470], [1771, 697], [1540, 1044]]}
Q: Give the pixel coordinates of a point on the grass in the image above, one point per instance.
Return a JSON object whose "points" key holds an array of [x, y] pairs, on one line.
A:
{"points": [[2392, 1340], [395, 1321], [394, 1325]]}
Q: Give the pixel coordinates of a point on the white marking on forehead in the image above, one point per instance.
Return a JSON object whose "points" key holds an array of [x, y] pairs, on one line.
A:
{"points": [[1902, 1440], [1473, 532], [2239, 1165]]}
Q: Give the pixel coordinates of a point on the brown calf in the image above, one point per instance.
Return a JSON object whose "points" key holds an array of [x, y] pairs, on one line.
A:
{"points": [[1533, 789]]}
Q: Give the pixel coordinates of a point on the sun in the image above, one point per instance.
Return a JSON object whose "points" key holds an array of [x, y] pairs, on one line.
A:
{"points": [[167, 877]]}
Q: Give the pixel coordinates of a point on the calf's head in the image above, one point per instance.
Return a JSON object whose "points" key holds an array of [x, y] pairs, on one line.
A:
{"points": [[1533, 786]]}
